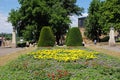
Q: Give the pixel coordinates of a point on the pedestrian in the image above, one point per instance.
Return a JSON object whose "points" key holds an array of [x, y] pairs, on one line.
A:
{"points": [[83, 43], [27, 44], [95, 41]]}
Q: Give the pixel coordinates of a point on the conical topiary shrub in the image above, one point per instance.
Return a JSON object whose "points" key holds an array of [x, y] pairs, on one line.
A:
{"points": [[46, 37], [74, 37]]}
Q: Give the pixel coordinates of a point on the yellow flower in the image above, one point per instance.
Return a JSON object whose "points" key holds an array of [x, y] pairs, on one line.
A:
{"points": [[63, 54]]}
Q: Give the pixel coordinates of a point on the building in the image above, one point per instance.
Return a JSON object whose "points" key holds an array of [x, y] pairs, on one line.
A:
{"points": [[81, 25], [81, 22]]}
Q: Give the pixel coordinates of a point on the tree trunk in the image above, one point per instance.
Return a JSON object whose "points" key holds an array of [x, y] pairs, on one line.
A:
{"points": [[58, 39]]}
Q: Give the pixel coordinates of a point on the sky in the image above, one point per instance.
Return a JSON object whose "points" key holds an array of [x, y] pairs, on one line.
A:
{"points": [[7, 5]]}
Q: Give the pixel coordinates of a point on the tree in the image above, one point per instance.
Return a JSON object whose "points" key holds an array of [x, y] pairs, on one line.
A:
{"points": [[74, 37], [14, 18], [110, 12], [93, 28], [46, 37], [39, 13]]}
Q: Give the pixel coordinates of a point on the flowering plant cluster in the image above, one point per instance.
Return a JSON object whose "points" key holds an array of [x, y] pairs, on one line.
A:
{"points": [[63, 54], [59, 75]]}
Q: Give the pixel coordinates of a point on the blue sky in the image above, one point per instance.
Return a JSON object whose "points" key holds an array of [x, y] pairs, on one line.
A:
{"points": [[7, 5]]}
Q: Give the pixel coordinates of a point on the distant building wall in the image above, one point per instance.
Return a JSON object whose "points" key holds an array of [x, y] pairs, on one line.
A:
{"points": [[81, 22], [81, 25]]}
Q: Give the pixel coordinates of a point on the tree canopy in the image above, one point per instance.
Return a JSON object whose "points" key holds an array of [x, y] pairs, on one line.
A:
{"points": [[110, 13], [102, 14], [93, 29], [34, 14]]}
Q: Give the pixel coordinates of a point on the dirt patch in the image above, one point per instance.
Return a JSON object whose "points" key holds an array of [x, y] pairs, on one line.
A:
{"points": [[6, 58]]}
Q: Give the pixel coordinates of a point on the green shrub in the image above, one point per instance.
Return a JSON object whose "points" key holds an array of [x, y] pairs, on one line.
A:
{"points": [[118, 39], [74, 38], [46, 37], [21, 44], [105, 39]]}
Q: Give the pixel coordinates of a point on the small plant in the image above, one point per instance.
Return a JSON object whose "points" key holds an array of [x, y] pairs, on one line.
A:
{"points": [[21, 44], [59, 75], [46, 37]]}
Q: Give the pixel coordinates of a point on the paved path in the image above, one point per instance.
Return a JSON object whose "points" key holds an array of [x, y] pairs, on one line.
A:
{"points": [[5, 51]]}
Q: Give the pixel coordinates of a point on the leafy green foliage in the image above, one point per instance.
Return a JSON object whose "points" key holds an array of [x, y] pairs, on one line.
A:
{"points": [[74, 37], [34, 14], [110, 15], [105, 39], [21, 44], [29, 33], [46, 37], [93, 28], [8, 36], [14, 17], [103, 14]]}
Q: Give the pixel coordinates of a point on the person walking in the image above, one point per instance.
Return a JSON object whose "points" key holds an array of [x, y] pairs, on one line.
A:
{"points": [[95, 41]]}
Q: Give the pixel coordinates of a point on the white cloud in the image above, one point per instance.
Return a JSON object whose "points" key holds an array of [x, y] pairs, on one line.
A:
{"points": [[74, 19], [84, 15], [5, 27]]}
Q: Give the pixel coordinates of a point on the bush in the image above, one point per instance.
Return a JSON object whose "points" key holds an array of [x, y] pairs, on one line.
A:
{"points": [[74, 37], [23, 44], [46, 37], [105, 39], [118, 39]]}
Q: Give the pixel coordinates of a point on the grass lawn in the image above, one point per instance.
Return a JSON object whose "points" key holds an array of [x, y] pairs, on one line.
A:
{"points": [[62, 64]]}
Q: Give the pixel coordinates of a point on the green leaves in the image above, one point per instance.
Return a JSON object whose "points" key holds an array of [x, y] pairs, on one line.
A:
{"points": [[46, 38], [39, 13], [93, 28], [111, 13], [74, 37]]}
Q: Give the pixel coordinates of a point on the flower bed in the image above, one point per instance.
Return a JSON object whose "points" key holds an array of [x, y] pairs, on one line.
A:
{"points": [[63, 54]]}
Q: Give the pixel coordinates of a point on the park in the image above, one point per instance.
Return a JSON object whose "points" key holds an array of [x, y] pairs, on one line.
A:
{"points": [[43, 45]]}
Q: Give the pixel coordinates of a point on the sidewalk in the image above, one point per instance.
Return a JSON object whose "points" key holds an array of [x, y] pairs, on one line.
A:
{"points": [[5, 51]]}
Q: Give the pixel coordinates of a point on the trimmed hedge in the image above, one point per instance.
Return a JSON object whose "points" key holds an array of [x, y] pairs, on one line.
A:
{"points": [[46, 37], [74, 37]]}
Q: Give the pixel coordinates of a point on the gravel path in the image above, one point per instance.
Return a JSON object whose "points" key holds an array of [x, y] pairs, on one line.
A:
{"points": [[107, 47], [5, 51]]}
